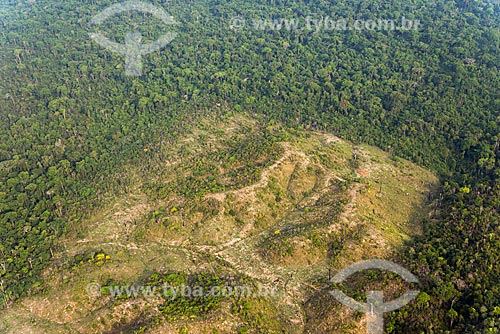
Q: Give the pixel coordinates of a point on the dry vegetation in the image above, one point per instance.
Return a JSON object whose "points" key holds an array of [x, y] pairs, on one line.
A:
{"points": [[319, 205]]}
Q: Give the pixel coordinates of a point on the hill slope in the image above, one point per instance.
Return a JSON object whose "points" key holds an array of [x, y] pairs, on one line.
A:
{"points": [[281, 210]]}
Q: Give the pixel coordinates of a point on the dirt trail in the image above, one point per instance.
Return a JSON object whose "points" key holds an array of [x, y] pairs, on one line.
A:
{"points": [[243, 252]]}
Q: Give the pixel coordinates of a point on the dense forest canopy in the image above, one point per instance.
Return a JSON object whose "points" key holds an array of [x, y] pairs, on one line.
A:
{"points": [[70, 119]]}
